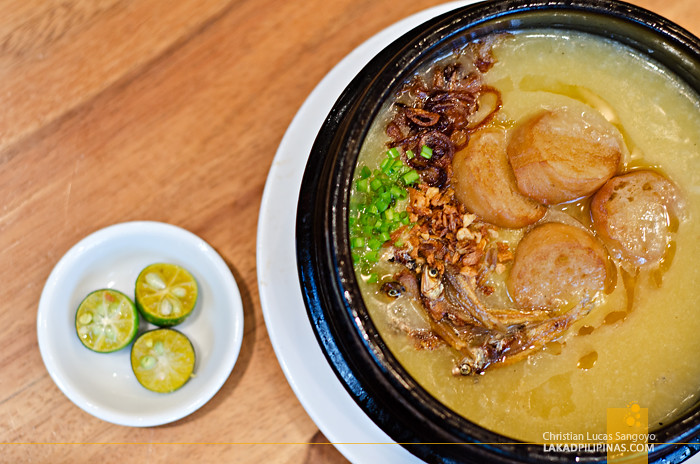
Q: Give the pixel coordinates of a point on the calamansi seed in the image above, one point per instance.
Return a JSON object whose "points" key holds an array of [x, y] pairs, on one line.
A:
{"points": [[166, 308], [159, 348], [155, 281], [179, 292], [147, 362]]}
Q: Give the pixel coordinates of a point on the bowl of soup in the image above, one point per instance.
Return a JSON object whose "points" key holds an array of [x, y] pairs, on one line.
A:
{"points": [[497, 234]]}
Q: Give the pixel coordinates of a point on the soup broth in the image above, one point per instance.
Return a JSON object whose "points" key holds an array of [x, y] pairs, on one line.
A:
{"points": [[640, 341]]}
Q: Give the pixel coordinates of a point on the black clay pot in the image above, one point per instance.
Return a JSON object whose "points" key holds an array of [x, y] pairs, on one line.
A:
{"points": [[353, 347]]}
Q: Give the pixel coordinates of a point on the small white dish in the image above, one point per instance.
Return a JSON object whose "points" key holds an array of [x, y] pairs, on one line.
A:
{"points": [[104, 384]]}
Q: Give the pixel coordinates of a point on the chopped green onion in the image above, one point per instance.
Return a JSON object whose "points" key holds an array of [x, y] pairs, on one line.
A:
{"points": [[386, 165], [374, 244], [410, 177], [374, 213], [397, 191], [403, 170], [357, 242], [381, 204], [362, 185], [426, 152]]}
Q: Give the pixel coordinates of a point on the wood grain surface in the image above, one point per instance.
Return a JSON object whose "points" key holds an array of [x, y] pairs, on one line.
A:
{"points": [[119, 110]]}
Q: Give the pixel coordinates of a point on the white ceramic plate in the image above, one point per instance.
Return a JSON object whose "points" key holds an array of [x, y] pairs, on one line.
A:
{"points": [[320, 392], [103, 384]]}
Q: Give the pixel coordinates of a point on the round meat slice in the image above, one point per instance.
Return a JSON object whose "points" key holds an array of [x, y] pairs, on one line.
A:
{"points": [[634, 214], [557, 265], [484, 183], [564, 154]]}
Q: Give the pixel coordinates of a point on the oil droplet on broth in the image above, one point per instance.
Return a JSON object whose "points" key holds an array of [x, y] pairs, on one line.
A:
{"points": [[554, 347], [586, 330], [587, 361], [614, 317], [630, 282], [610, 277], [657, 274], [578, 209]]}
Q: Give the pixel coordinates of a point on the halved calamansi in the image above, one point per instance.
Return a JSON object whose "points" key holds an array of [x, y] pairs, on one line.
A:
{"points": [[106, 320], [162, 360], [165, 294]]}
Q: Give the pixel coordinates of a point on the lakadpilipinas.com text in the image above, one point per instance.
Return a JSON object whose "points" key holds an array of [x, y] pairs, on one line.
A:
{"points": [[615, 443], [599, 447]]}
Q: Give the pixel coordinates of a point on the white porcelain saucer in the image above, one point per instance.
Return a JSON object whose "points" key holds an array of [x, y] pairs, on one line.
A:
{"points": [[103, 384]]}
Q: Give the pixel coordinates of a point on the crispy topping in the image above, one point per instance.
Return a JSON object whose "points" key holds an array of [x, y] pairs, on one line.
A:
{"points": [[445, 233], [442, 111]]}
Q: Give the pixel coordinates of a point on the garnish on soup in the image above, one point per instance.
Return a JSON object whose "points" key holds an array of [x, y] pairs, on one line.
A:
{"points": [[435, 221]]}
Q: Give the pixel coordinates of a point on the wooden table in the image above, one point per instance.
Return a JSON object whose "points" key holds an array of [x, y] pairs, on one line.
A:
{"points": [[115, 111]]}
